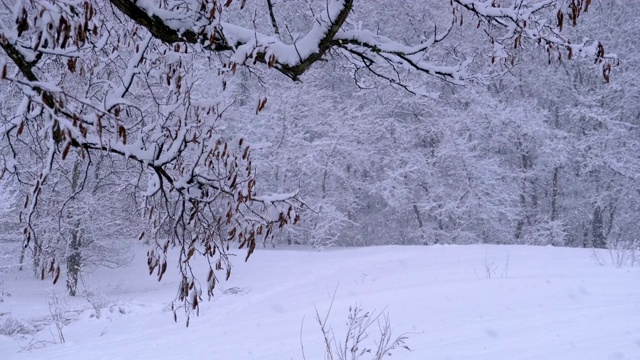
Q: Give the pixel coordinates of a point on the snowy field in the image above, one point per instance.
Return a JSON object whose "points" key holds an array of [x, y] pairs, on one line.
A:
{"points": [[454, 302]]}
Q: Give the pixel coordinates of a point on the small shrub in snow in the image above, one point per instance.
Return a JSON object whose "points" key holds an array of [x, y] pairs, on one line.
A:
{"points": [[58, 307], [355, 343], [492, 270], [618, 254]]}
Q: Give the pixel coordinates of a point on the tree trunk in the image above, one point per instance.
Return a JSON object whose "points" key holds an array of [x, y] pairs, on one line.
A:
{"points": [[418, 216], [526, 165], [554, 200], [554, 194], [74, 261], [74, 256], [597, 229]]}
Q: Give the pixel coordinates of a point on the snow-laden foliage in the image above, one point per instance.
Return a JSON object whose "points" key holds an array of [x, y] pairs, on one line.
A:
{"points": [[158, 91], [501, 162]]}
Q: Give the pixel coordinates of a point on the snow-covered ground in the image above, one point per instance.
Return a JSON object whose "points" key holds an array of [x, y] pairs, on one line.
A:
{"points": [[455, 302]]}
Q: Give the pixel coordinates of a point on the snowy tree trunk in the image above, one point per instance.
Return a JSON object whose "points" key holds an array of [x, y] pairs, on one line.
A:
{"points": [[554, 193], [554, 180], [74, 256], [597, 226], [74, 262], [418, 216], [556, 173], [526, 165]]}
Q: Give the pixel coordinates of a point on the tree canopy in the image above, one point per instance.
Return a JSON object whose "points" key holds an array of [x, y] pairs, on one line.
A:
{"points": [[144, 84]]}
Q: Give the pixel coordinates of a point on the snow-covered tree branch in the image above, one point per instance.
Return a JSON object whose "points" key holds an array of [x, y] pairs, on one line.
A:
{"points": [[144, 83]]}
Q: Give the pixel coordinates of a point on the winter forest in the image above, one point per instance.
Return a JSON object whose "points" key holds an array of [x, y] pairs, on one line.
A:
{"points": [[192, 136]]}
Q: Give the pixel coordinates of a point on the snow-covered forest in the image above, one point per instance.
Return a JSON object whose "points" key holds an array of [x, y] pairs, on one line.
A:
{"points": [[185, 135]]}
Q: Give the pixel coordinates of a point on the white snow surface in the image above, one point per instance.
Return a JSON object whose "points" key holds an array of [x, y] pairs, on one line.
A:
{"points": [[455, 302]]}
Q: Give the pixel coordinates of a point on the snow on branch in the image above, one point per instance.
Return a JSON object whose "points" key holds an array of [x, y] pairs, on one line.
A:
{"points": [[519, 20], [95, 87], [124, 79], [538, 21]]}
